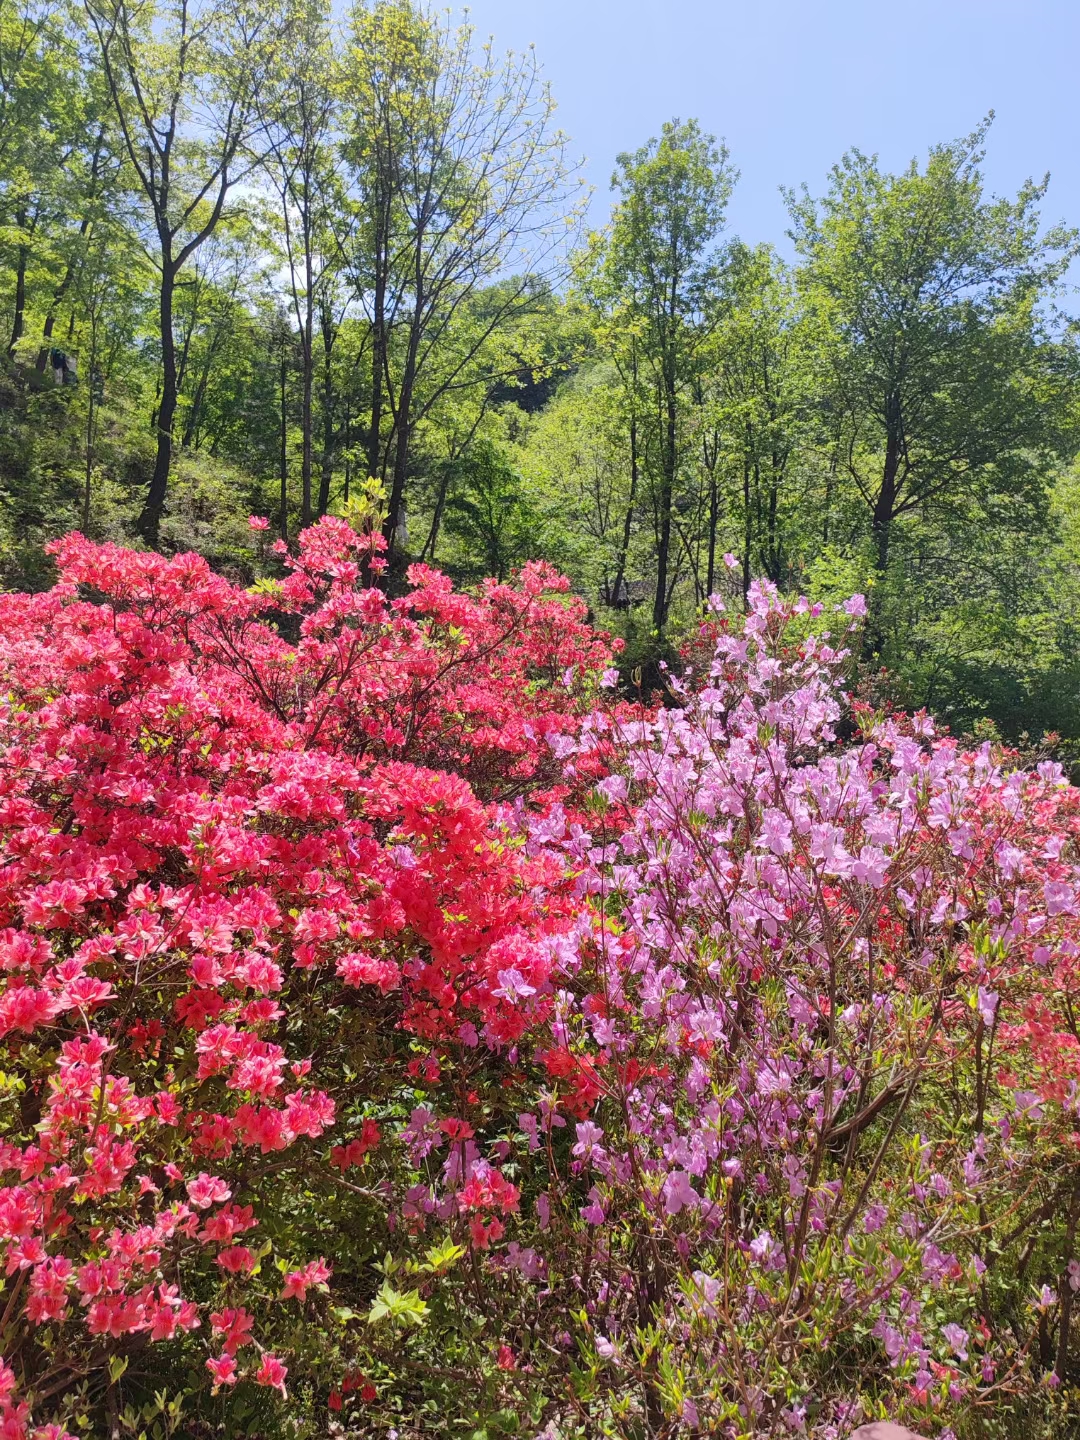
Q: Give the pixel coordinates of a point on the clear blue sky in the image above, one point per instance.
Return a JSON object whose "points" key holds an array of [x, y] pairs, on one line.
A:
{"points": [[791, 84]]}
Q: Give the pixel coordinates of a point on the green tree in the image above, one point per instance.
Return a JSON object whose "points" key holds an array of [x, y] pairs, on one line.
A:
{"points": [[756, 407], [488, 513], [462, 179], [298, 115], [183, 80], [48, 127], [575, 456], [661, 262], [942, 364]]}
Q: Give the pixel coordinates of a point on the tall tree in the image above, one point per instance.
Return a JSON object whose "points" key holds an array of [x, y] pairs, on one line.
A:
{"points": [[672, 197], [756, 398], [183, 77], [463, 178], [297, 110], [942, 365], [43, 94]]}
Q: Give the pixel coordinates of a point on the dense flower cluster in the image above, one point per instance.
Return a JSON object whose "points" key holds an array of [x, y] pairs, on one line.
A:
{"points": [[393, 1023], [223, 849], [828, 1000]]}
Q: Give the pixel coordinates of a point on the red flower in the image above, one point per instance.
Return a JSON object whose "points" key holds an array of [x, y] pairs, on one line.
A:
{"points": [[272, 1373]]}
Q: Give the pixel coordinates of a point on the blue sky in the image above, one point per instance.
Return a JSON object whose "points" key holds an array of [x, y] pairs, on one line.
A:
{"points": [[791, 84]]}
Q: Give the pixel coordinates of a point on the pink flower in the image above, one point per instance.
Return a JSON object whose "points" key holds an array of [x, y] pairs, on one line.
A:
{"points": [[513, 986], [235, 1325], [298, 1282], [272, 1373], [206, 1190], [258, 522], [223, 1369], [776, 832], [679, 1194], [236, 1260], [957, 1337], [987, 1005]]}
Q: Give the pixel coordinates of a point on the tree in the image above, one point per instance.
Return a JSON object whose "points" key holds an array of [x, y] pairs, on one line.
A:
{"points": [[109, 297], [461, 178], [297, 114], [673, 193], [487, 511], [212, 305], [756, 397], [47, 126], [577, 458], [942, 365], [183, 79]]}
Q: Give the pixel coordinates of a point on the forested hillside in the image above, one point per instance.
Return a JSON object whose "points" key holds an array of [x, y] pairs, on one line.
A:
{"points": [[281, 257]]}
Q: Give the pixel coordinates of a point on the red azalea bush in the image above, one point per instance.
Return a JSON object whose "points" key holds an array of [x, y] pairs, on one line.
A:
{"points": [[393, 1027], [237, 907]]}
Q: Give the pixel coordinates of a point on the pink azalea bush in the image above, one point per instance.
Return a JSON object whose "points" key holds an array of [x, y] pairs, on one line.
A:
{"points": [[827, 997], [401, 1035]]}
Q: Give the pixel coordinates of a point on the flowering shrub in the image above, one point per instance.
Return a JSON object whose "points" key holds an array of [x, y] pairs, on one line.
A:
{"points": [[826, 1014], [237, 906], [393, 1028]]}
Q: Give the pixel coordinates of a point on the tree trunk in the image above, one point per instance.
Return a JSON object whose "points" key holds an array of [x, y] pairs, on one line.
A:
{"points": [[830, 485], [711, 457], [667, 490], [885, 504], [378, 344], [327, 416], [19, 322], [773, 565], [154, 507], [748, 528], [401, 466], [90, 413], [284, 461], [57, 300], [50, 322], [62, 288], [194, 416], [881, 527], [404, 435], [308, 362], [428, 552], [713, 516], [628, 519], [348, 444]]}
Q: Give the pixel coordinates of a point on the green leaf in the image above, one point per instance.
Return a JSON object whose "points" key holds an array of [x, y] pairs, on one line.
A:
{"points": [[402, 1308]]}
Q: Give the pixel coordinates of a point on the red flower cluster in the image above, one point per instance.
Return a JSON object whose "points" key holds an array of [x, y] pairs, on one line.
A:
{"points": [[234, 823]]}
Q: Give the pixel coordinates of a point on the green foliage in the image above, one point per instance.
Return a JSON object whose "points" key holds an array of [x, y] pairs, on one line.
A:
{"points": [[488, 514], [941, 367], [381, 292]]}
